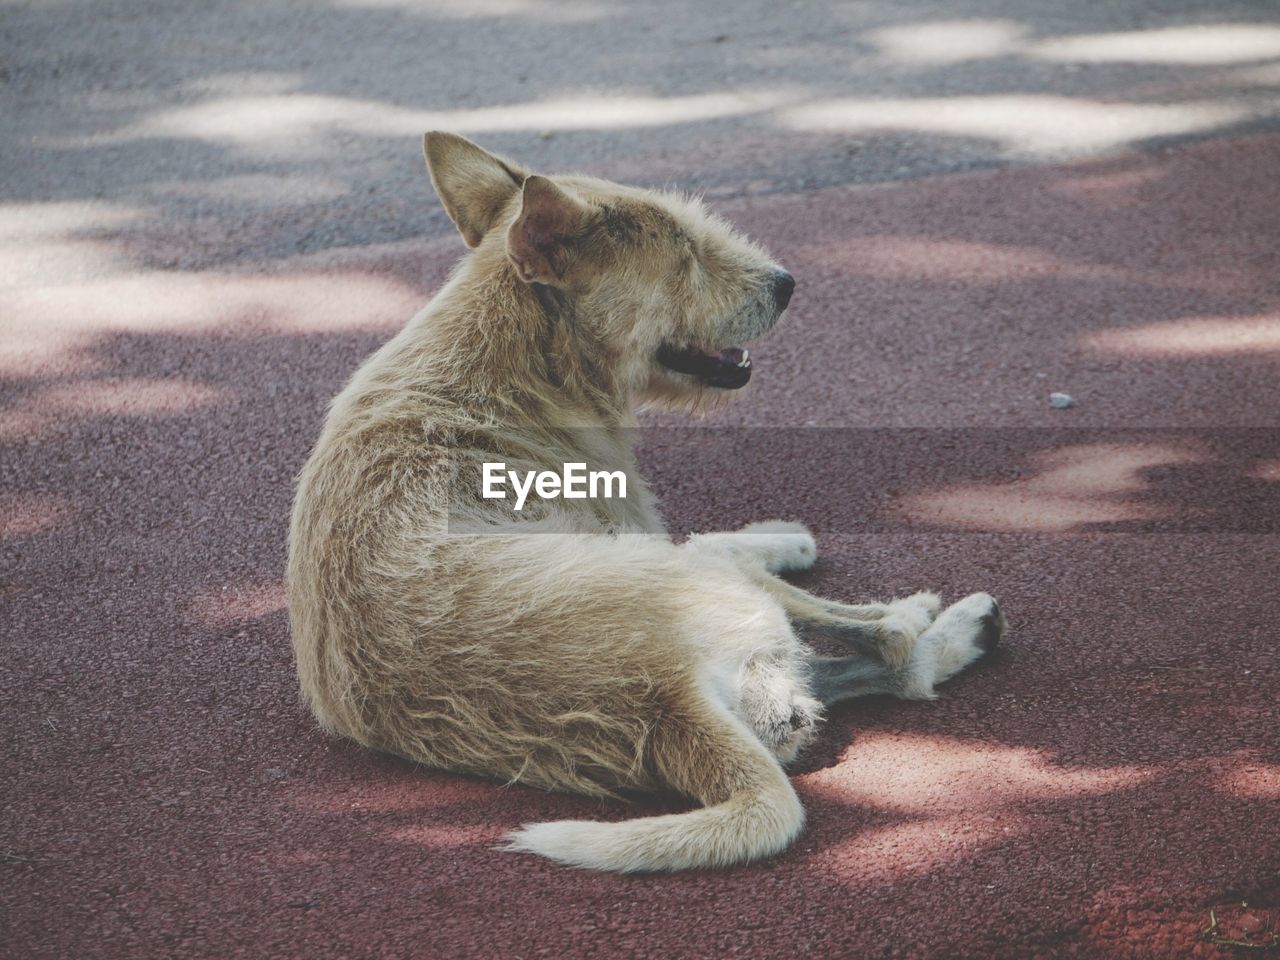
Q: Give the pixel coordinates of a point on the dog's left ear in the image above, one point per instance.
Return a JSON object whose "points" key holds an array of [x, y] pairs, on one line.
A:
{"points": [[549, 219], [473, 184]]}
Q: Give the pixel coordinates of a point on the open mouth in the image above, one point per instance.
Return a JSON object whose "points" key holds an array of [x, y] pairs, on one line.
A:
{"points": [[728, 370]]}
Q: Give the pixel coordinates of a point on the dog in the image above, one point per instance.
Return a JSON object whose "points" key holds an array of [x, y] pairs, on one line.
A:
{"points": [[574, 646]]}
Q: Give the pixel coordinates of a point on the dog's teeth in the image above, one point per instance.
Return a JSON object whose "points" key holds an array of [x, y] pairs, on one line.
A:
{"points": [[746, 359]]}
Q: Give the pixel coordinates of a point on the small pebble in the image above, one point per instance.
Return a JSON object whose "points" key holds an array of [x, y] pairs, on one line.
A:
{"points": [[1060, 401]]}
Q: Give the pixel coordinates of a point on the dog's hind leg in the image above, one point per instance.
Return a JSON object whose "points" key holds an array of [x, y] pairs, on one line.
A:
{"points": [[774, 699]]}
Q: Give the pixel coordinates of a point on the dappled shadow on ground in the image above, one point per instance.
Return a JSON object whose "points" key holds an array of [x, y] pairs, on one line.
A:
{"points": [[192, 135], [1013, 480]]}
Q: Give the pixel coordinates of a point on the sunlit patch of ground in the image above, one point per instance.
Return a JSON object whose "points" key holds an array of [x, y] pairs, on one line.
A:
{"points": [[1193, 337], [1073, 486]]}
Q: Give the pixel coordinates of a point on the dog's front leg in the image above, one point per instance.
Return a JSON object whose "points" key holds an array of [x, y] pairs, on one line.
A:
{"points": [[961, 634], [776, 546], [886, 630], [762, 550]]}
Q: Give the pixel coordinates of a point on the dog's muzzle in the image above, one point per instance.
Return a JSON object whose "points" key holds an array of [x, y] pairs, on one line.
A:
{"points": [[730, 369]]}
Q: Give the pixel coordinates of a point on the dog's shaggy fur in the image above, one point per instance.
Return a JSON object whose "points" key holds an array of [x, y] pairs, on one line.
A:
{"points": [[597, 656]]}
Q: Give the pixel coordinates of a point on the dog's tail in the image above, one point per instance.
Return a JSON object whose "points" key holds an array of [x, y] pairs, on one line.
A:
{"points": [[750, 811]]}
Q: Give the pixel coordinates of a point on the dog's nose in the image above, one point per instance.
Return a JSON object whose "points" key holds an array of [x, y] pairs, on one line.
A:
{"points": [[783, 286]]}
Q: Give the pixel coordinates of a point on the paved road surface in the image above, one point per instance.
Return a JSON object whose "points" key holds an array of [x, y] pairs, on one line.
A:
{"points": [[212, 211]]}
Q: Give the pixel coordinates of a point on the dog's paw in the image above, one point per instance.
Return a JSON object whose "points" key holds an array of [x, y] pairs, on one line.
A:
{"points": [[983, 620], [781, 713], [785, 546], [786, 741], [776, 545], [895, 639], [897, 632], [806, 714], [925, 604], [915, 613], [961, 634]]}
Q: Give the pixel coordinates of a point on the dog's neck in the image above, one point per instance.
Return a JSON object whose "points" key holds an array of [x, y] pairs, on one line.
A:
{"points": [[530, 345]]}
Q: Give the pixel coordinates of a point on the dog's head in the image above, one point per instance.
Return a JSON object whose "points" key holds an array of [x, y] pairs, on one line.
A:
{"points": [[673, 292]]}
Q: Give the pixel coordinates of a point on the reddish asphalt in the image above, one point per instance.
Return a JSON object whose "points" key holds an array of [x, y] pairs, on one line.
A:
{"points": [[1094, 790]]}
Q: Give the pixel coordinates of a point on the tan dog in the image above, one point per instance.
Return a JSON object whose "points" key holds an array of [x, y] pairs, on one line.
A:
{"points": [[596, 656]]}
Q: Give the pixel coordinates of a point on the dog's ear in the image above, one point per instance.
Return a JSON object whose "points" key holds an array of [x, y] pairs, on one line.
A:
{"points": [[473, 184], [549, 218]]}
